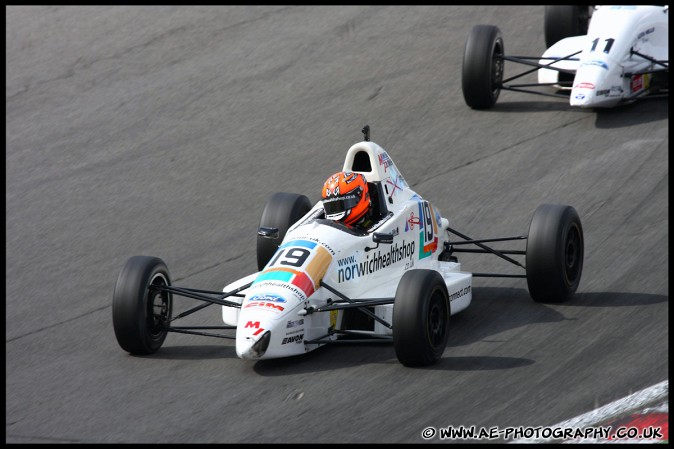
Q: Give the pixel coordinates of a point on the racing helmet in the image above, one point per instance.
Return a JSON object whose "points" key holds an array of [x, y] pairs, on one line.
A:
{"points": [[345, 197]]}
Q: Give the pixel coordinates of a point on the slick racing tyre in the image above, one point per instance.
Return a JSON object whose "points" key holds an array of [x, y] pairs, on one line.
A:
{"points": [[483, 64], [420, 318], [562, 21], [140, 313], [554, 254], [281, 212]]}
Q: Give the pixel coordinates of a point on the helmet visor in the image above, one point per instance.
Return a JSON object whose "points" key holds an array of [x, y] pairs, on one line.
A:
{"points": [[337, 206]]}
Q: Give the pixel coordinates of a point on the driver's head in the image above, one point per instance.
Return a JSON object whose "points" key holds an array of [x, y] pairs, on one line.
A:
{"points": [[345, 197]]}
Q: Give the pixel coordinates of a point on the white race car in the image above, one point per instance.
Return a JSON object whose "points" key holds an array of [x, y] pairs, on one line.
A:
{"points": [[323, 282], [597, 57]]}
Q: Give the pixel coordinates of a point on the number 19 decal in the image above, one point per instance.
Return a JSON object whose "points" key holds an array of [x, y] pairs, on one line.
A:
{"points": [[293, 257], [428, 240]]}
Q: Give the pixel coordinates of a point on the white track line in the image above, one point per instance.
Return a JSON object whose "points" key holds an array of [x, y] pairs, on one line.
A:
{"points": [[595, 417]]}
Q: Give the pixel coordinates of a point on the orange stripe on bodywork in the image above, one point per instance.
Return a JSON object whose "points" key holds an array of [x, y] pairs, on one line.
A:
{"points": [[319, 265]]}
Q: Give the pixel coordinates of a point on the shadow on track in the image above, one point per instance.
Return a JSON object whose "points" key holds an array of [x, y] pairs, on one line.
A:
{"points": [[493, 310], [638, 113], [193, 352], [605, 299], [633, 114]]}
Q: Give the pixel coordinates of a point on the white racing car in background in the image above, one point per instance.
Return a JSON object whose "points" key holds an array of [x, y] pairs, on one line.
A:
{"points": [[597, 57], [322, 282]]}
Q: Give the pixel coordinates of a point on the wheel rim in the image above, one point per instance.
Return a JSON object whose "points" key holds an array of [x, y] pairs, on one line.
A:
{"points": [[158, 306], [437, 320], [497, 70], [572, 254]]}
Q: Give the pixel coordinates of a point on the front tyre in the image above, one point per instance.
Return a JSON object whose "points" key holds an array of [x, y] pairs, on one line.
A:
{"points": [[483, 65], [281, 211], [562, 21], [420, 318], [554, 254], [141, 312]]}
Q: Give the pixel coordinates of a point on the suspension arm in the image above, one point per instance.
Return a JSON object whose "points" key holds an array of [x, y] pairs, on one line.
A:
{"points": [[485, 247]]}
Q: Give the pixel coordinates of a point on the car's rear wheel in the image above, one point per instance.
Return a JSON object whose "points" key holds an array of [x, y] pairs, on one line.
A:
{"points": [[281, 212], [562, 21], [140, 312], [420, 318], [554, 254], [483, 65]]}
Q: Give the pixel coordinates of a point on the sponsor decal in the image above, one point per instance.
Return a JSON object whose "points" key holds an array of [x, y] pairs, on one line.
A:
{"points": [[349, 177], [395, 179], [309, 238], [385, 160], [614, 91], [299, 294], [459, 293], [412, 221], [294, 339], [580, 96], [639, 83], [584, 86], [301, 329], [254, 325], [301, 263], [596, 62], [438, 218], [266, 297], [644, 33], [266, 305], [397, 185], [350, 268], [295, 323]]}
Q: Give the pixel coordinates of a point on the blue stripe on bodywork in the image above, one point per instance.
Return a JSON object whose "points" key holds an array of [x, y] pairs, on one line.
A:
{"points": [[304, 243]]}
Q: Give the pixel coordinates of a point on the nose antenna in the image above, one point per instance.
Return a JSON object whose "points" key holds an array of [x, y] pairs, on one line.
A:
{"points": [[366, 132]]}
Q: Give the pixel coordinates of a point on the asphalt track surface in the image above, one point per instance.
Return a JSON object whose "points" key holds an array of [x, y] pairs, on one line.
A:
{"points": [[164, 130]]}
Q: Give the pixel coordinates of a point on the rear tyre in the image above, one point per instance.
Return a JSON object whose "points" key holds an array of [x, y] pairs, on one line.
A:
{"points": [[420, 318], [483, 64], [140, 313], [554, 254], [562, 21], [281, 211]]}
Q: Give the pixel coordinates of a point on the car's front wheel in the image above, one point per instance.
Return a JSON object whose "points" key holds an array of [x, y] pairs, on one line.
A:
{"points": [[420, 318], [483, 65], [141, 312]]}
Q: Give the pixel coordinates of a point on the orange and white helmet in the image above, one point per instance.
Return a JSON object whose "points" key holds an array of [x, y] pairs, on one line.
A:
{"points": [[345, 197]]}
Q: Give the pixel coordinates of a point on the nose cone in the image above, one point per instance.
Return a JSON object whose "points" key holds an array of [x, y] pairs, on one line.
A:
{"points": [[582, 94], [592, 77], [250, 349], [581, 97]]}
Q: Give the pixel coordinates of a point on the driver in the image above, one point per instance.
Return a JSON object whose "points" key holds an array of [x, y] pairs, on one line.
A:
{"points": [[346, 199]]}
